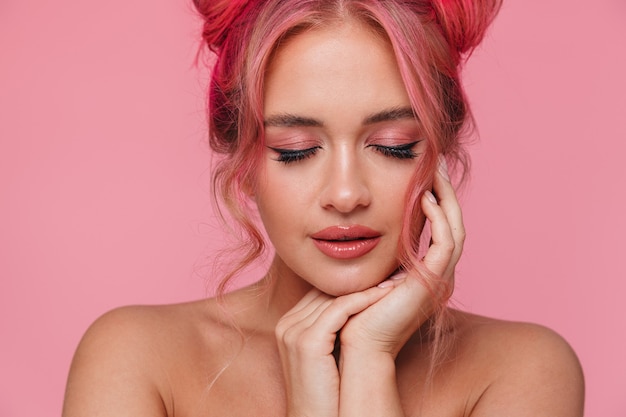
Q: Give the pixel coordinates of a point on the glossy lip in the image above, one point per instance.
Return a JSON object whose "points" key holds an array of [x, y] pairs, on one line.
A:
{"points": [[346, 242]]}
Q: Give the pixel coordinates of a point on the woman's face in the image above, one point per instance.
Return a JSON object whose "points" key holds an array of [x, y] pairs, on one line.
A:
{"points": [[341, 146]]}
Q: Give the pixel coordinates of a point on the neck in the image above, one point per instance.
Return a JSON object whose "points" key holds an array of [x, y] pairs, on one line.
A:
{"points": [[284, 288], [261, 305]]}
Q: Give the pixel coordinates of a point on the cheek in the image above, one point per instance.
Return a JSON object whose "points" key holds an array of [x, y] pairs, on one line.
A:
{"points": [[280, 202], [270, 210], [279, 185], [393, 188]]}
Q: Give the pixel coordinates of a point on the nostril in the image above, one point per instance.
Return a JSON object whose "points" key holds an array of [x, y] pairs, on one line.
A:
{"points": [[345, 187], [346, 197]]}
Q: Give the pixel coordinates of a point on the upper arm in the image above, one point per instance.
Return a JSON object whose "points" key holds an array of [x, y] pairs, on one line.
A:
{"points": [[114, 370], [540, 376]]}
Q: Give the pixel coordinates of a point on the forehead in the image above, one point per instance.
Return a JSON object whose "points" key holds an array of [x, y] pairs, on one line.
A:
{"points": [[343, 69]]}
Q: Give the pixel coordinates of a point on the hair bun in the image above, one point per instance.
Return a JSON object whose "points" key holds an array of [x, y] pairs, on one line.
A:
{"points": [[219, 16], [464, 22]]}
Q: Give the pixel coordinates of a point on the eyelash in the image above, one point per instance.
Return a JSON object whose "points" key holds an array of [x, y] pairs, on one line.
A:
{"points": [[400, 152], [288, 156]]}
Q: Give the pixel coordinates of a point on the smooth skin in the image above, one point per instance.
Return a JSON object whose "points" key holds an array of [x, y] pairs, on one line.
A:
{"points": [[189, 359]]}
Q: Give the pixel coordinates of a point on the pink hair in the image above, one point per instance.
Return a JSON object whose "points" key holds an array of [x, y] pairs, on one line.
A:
{"points": [[431, 40]]}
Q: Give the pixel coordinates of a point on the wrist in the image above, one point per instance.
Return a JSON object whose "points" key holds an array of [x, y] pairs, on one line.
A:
{"points": [[368, 375], [368, 349], [366, 363]]}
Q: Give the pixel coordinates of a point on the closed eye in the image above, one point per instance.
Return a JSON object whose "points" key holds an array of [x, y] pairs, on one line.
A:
{"points": [[404, 151], [288, 156]]}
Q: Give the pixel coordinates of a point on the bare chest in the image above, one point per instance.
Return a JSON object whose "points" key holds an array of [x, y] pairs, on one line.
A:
{"points": [[251, 383]]}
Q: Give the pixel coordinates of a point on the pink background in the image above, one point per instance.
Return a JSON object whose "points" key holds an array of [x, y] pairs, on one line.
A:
{"points": [[104, 191]]}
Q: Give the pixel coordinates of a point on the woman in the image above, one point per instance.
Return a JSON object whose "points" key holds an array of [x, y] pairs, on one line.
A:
{"points": [[336, 121]]}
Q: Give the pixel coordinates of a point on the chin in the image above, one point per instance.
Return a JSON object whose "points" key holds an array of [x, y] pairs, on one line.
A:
{"points": [[350, 283]]}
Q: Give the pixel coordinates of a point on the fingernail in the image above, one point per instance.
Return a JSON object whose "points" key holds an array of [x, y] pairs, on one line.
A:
{"points": [[399, 276], [443, 168], [430, 197], [386, 284]]}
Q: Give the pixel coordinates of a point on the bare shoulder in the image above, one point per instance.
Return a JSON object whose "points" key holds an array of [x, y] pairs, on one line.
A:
{"points": [[123, 364], [529, 369]]}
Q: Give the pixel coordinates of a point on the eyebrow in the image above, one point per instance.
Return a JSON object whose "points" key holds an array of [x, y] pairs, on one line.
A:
{"points": [[293, 120], [388, 115]]}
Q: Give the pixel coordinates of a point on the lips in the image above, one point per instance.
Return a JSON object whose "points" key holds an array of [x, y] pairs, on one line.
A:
{"points": [[346, 242]]}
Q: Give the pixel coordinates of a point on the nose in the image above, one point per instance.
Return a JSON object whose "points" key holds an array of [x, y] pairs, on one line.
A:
{"points": [[345, 186]]}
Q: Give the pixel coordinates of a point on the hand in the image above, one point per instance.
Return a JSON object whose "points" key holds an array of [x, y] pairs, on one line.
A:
{"points": [[306, 339], [388, 324]]}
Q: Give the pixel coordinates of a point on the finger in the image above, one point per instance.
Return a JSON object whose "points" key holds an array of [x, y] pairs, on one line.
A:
{"points": [[335, 316], [304, 303], [293, 330], [440, 252], [314, 327], [451, 208], [449, 202], [312, 315], [304, 308]]}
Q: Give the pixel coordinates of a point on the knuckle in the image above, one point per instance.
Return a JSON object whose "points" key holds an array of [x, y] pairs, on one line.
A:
{"points": [[280, 329], [286, 333], [291, 337]]}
